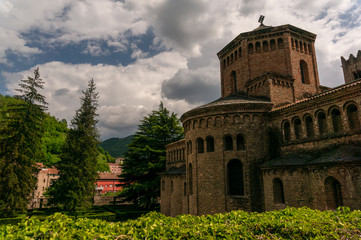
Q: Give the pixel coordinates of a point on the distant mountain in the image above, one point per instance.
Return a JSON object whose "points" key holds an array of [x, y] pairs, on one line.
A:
{"points": [[116, 146]]}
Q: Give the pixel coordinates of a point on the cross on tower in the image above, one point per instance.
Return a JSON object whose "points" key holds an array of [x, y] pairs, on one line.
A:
{"points": [[260, 20]]}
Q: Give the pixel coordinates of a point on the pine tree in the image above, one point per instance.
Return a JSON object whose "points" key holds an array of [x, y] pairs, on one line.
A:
{"points": [[20, 145], [145, 158], [75, 188]]}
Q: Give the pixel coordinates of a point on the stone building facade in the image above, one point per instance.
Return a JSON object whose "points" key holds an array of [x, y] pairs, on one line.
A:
{"points": [[276, 137], [45, 178]]}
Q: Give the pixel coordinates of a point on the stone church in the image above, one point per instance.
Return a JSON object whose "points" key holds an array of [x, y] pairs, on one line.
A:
{"points": [[275, 138]]}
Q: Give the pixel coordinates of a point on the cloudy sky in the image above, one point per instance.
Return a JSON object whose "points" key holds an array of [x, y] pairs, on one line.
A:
{"points": [[141, 52]]}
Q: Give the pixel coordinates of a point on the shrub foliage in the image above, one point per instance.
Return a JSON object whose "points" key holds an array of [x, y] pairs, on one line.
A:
{"points": [[290, 223]]}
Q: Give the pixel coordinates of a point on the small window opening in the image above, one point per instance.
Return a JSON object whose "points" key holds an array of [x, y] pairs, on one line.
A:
{"points": [[322, 123], [240, 142], [352, 115], [228, 143], [210, 144], [336, 120], [200, 145], [278, 193]]}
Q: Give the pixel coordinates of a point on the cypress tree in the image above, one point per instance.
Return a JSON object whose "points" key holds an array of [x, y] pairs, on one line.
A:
{"points": [[20, 143], [77, 169], [145, 158]]}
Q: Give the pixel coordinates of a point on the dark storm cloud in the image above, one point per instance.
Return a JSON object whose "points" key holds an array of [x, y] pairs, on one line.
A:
{"points": [[61, 92], [192, 87], [186, 24], [249, 7]]}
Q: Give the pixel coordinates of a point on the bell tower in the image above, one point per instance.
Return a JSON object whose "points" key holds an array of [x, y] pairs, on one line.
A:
{"points": [[277, 63]]}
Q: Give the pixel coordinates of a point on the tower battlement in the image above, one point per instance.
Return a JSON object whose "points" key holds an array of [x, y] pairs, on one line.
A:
{"points": [[352, 67]]}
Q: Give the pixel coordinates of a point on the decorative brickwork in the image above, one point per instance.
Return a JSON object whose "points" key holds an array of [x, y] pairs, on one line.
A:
{"points": [[274, 138]]}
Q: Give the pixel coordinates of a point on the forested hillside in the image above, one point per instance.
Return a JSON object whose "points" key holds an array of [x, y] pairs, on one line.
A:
{"points": [[116, 146], [55, 131]]}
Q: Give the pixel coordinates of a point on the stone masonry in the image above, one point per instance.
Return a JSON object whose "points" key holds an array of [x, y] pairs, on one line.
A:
{"points": [[275, 138]]}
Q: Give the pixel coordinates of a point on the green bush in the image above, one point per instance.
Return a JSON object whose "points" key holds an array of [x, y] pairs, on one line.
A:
{"points": [[290, 223], [13, 220]]}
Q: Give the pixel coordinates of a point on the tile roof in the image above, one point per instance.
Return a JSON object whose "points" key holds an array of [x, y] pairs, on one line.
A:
{"points": [[107, 175], [342, 154]]}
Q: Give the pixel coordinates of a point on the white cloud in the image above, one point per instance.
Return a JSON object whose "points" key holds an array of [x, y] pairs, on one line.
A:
{"points": [[126, 93]]}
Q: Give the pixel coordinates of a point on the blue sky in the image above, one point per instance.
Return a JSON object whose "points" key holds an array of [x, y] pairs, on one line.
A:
{"points": [[141, 52]]}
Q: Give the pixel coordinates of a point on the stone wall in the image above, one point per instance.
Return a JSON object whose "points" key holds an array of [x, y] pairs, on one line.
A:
{"points": [[308, 186]]}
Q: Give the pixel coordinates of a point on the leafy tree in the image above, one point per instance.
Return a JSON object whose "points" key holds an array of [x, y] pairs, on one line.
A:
{"points": [[145, 158], [77, 168], [54, 137], [20, 145]]}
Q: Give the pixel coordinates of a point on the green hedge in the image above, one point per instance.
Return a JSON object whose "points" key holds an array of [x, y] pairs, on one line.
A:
{"points": [[13, 220], [290, 223]]}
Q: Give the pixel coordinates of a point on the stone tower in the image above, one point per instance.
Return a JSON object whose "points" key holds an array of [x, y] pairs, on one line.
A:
{"points": [[352, 67], [278, 63]]}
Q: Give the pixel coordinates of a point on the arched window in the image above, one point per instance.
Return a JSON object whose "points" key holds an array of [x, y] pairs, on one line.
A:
{"points": [[287, 131], [190, 147], [200, 145], [297, 128], [250, 48], [296, 43], [240, 142], [336, 120], [280, 43], [309, 49], [190, 179], [234, 80], [224, 63], [163, 185], [273, 44], [309, 127], [240, 52], [322, 123], [265, 46], [293, 43], [235, 55], [305, 47], [304, 72], [232, 58], [228, 143], [171, 186], [218, 121], [209, 122], [278, 194], [333, 193], [210, 144], [195, 123], [228, 61], [301, 46], [352, 116], [235, 177], [258, 47]]}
